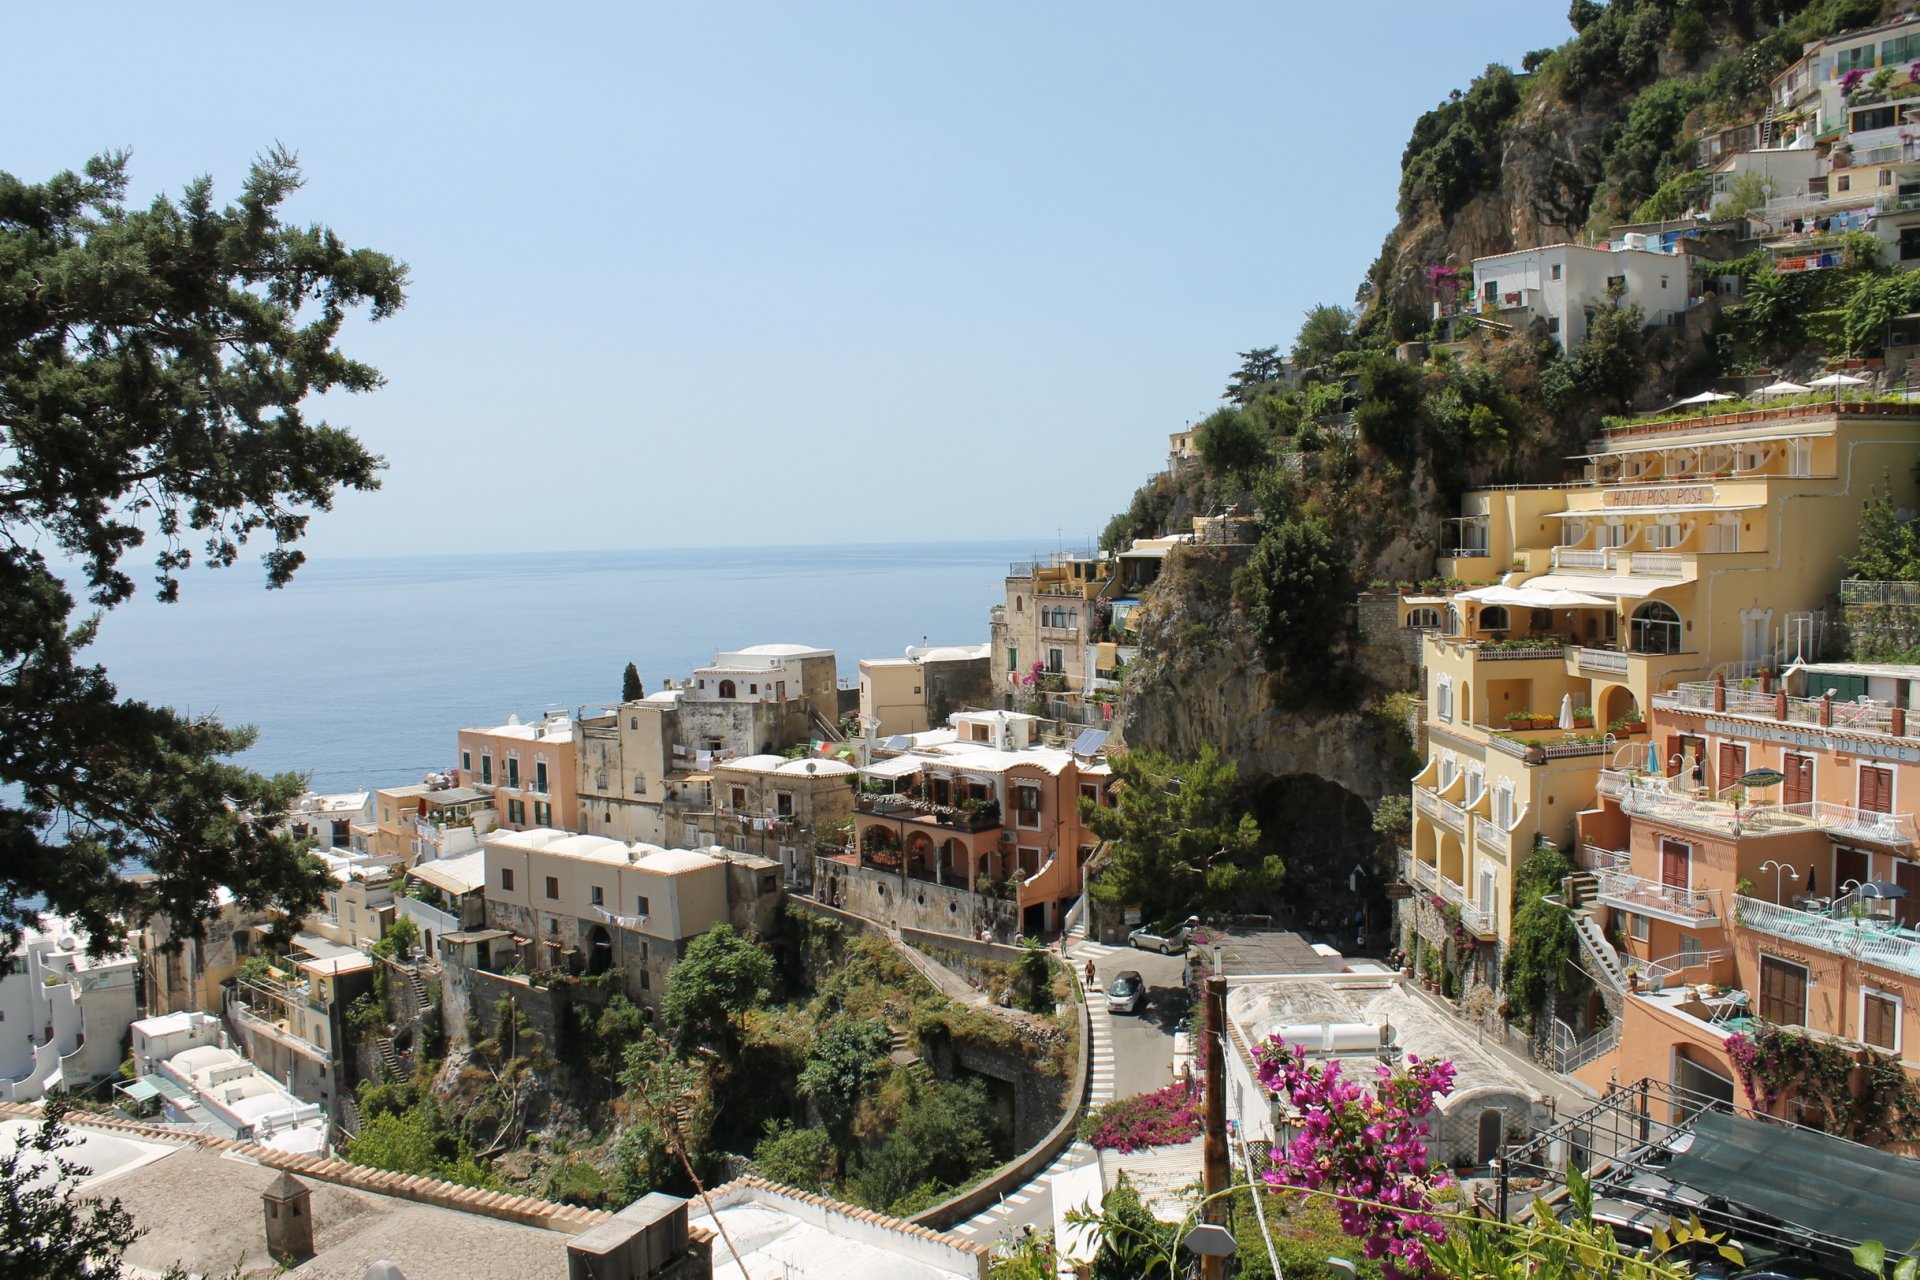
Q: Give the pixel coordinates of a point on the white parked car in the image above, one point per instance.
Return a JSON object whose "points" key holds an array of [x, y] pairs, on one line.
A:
{"points": [[1127, 993]]}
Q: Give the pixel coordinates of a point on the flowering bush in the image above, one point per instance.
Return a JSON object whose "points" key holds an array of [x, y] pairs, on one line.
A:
{"points": [[1367, 1146], [1161, 1119], [1913, 74], [1851, 81]]}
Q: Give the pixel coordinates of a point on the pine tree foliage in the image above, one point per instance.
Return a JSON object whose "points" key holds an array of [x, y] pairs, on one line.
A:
{"points": [[153, 364]]}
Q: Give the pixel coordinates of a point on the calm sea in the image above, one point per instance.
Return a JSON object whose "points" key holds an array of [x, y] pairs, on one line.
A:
{"points": [[360, 671]]}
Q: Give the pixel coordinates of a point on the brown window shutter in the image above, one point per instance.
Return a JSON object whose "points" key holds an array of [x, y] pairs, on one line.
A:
{"points": [[1876, 789]]}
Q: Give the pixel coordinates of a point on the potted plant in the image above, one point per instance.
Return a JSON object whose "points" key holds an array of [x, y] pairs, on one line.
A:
{"points": [[1583, 717], [1519, 720], [1629, 725]]}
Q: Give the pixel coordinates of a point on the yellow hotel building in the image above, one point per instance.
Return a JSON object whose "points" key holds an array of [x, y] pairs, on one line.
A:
{"points": [[1689, 547]]}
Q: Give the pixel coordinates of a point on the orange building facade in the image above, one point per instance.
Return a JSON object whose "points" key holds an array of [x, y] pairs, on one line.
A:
{"points": [[1762, 865]]}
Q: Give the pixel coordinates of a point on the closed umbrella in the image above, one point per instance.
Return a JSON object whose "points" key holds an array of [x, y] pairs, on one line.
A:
{"points": [[1653, 757], [1566, 711]]}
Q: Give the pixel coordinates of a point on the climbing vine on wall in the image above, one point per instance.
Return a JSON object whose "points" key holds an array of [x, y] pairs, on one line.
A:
{"points": [[1823, 1073]]}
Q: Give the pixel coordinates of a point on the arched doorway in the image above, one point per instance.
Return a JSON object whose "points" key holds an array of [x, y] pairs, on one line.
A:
{"points": [[920, 856], [1655, 628], [599, 951], [727, 689]]}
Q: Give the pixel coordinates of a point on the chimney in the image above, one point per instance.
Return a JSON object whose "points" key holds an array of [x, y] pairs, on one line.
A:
{"points": [[289, 1211], [647, 1240]]}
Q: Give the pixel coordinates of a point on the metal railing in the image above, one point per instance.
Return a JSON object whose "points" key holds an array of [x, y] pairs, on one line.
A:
{"points": [[1636, 893], [1477, 919], [1568, 1053], [1599, 858], [1426, 875], [1449, 890], [1575, 558], [1856, 939], [1873, 591], [1658, 564], [1608, 660], [1489, 835]]}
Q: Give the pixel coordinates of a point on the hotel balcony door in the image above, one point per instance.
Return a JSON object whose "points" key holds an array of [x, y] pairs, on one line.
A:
{"points": [[1907, 875], [1676, 864], [1849, 864], [1798, 788], [1733, 765]]}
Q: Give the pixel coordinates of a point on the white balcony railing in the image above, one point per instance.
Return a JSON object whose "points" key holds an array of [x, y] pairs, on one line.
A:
{"points": [[1659, 564], [1611, 661], [1425, 875], [1574, 558], [1478, 920], [1649, 897], [1492, 837], [1874, 942], [1449, 890]]}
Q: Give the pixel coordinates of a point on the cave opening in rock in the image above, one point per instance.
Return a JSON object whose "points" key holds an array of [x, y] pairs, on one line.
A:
{"points": [[1338, 866]]}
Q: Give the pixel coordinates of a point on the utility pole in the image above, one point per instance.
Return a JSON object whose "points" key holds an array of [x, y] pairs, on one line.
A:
{"points": [[1213, 1167]]}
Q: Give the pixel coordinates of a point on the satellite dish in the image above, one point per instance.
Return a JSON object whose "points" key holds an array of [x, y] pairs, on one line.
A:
{"points": [[1388, 1033]]}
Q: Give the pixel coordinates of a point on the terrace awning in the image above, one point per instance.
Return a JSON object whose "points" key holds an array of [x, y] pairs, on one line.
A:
{"points": [[895, 767], [1533, 596], [1622, 587], [1812, 1180]]}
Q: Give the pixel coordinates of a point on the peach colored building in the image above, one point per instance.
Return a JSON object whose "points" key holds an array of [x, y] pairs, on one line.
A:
{"points": [[528, 769], [1795, 901], [970, 827]]}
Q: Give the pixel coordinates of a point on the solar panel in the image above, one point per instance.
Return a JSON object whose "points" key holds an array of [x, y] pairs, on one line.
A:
{"points": [[1089, 742], [898, 742]]}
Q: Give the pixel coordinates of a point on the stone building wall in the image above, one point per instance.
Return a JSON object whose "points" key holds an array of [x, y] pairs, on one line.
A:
{"points": [[913, 904]]}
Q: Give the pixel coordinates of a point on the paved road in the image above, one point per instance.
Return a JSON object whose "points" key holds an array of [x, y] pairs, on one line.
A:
{"points": [[1132, 1054], [1142, 1042]]}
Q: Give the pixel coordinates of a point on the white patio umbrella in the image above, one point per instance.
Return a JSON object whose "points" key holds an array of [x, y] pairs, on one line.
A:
{"points": [[1566, 711], [1837, 381], [1782, 388], [1705, 397]]}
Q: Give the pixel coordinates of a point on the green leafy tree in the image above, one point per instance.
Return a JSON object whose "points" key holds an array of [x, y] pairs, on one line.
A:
{"points": [[1606, 368], [1541, 960], [721, 977], [1324, 334], [1889, 540], [1033, 977], [941, 1141], [1296, 590], [1229, 443], [1773, 304], [631, 690], [1179, 840], [1389, 413], [1261, 370], [1134, 1245], [801, 1158], [1874, 303], [48, 1231], [153, 365], [841, 1062]]}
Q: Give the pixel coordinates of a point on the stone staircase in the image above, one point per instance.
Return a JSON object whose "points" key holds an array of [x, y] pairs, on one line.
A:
{"points": [[422, 994], [388, 1059], [351, 1121], [1606, 967]]}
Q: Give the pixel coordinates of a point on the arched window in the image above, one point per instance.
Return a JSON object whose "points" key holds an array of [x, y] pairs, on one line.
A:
{"points": [[726, 688], [1656, 628], [1426, 617], [1493, 618]]}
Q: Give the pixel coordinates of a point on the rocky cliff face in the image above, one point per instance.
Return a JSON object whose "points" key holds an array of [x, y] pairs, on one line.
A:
{"points": [[1549, 167], [1202, 679]]}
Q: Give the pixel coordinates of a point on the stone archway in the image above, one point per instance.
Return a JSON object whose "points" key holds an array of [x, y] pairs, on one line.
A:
{"points": [[599, 951]]}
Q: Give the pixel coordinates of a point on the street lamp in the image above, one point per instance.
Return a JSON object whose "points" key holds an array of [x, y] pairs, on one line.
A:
{"points": [[1778, 867]]}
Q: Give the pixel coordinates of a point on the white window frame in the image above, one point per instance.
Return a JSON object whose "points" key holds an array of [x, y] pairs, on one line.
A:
{"points": [[1443, 697], [1899, 1016], [1639, 926]]}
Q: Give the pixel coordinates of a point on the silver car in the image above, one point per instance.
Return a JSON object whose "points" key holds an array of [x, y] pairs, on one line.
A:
{"points": [[1166, 939]]}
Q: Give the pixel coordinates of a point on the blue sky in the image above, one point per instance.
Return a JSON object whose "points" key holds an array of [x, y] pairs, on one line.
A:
{"points": [[779, 273]]}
